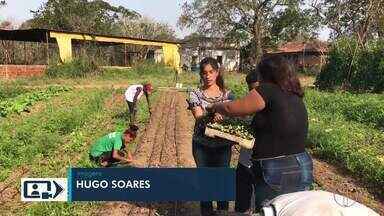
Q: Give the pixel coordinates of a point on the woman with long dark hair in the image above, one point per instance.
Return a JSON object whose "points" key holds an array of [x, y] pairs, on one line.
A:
{"points": [[280, 163], [209, 152]]}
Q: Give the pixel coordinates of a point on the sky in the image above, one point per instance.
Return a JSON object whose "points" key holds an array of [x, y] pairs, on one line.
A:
{"points": [[166, 11]]}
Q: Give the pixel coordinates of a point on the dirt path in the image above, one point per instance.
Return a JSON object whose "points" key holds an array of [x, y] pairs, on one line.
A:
{"points": [[334, 179], [166, 142], [8, 190]]}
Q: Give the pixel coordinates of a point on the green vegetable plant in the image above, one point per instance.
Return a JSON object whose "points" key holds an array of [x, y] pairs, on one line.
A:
{"points": [[23, 102], [234, 126]]}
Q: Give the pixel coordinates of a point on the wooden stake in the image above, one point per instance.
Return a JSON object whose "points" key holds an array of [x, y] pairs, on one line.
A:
{"points": [[47, 46]]}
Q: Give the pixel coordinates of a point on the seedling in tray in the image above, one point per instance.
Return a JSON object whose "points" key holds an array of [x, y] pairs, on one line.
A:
{"points": [[236, 130]]}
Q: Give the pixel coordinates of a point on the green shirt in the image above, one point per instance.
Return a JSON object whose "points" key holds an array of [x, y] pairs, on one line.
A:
{"points": [[107, 143]]}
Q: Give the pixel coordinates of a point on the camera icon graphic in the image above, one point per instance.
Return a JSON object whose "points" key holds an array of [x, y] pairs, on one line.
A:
{"points": [[43, 189]]}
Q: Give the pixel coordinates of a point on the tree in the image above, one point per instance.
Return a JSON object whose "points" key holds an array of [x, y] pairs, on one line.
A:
{"points": [[294, 24], [363, 19], [245, 21], [7, 25], [147, 28], [2, 4], [95, 16]]}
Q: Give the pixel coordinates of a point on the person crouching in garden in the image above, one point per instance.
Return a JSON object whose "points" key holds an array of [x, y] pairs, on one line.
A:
{"points": [[244, 175], [209, 152], [133, 94], [280, 163], [110, 148]]}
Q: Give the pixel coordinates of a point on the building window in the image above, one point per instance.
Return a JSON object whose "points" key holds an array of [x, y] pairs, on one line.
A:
{"points": [[150, 55], [220, 60], [194, 63]]}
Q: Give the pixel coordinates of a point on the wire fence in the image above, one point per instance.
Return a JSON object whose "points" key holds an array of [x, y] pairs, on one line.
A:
{"points": [[104, 54]]}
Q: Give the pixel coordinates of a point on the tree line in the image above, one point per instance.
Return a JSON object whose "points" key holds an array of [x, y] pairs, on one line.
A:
{"points": [[265, 23], [97, 17]]}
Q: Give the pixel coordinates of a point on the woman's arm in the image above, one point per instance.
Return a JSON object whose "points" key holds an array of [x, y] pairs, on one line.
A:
{"points": [[197, 112], [251, 103]]}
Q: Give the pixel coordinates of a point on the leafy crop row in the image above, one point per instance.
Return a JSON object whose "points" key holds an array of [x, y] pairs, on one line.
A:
{"points": [[364, 108], [37, 136], [23, 102], [357, 147], [11, 90]]}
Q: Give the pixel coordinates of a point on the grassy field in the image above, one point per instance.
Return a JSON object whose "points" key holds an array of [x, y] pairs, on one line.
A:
{"points": [[348, 130], [46, 131]]}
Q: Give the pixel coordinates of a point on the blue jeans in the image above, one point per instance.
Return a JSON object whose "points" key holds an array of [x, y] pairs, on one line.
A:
{"points": [[211, 157], [274, 177]]}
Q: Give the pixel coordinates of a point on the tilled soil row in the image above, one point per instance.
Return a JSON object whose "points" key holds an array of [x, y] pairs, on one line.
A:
{"points": [[8, 188], [184, 130], [161, 147], [335, 180], [166, 142]]}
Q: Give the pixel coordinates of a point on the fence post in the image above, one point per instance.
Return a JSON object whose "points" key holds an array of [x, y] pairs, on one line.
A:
{"points": [[47, 47]]}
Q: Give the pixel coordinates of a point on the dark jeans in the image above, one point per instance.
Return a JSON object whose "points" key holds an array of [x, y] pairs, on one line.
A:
{"points": [[274, 177], [106, 156], [211, 157], [244, 188], [132, 112]]}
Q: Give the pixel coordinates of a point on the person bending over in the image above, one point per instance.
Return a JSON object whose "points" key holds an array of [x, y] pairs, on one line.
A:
{"points": [[133, 94], [110, 148]]}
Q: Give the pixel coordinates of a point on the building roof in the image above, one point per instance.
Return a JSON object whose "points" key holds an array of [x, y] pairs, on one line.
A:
{"points": [[41, 35], [299, 47], [203, 42]]}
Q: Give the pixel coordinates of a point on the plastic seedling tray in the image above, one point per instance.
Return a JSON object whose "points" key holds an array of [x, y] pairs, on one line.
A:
{"points": [[246, 143]]}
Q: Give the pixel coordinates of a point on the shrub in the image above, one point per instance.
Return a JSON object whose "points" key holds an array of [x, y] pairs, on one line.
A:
{"points": [[309, 71], [79, 67], [353, 67]]}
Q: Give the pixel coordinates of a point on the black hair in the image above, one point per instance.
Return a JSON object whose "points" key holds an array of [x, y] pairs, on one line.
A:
{"points": [[278, 70], [252, 77], [215, 65], [132, 130]]}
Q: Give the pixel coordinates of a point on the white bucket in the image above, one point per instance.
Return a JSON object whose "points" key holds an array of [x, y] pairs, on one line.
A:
{"points": [[179, 85]]}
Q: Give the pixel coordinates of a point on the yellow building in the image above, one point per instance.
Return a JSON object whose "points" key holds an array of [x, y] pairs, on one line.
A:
{"points": [[64, 40]]}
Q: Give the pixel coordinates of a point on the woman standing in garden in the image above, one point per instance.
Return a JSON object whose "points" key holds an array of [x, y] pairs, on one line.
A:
{"points": [[209, 152], [280, 163]]}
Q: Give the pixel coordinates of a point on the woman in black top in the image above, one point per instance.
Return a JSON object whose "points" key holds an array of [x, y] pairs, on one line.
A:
{"points": [[280, 163]]}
